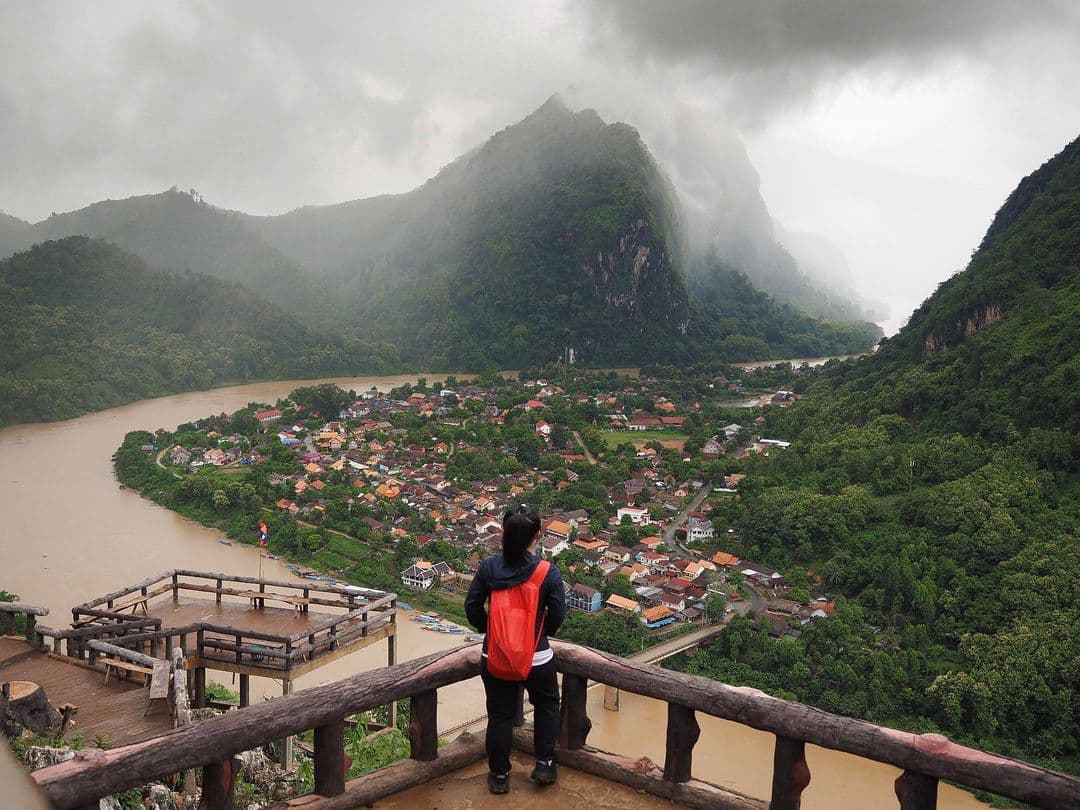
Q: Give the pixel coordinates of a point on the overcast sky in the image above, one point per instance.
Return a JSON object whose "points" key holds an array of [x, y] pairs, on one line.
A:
{"points": [[895, 129]]}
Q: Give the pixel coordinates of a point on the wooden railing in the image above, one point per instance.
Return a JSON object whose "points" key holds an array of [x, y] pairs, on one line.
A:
{"points": [[366, 612], [211, 745], [9, 610]]}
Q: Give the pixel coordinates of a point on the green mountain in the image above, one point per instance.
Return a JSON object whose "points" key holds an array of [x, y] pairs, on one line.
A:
{"points": [[558, 237], [86, 325], [10, 230], [997, 348], [558, 234], [935, 486], [177, 231]]}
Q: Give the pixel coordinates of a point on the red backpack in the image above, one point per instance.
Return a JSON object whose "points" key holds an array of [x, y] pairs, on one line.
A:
{"points": [[511, 619]]}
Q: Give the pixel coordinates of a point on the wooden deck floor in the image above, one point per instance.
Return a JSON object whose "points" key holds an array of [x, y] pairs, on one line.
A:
{"points": [[234, 614], [114, 713], [467, 788]]}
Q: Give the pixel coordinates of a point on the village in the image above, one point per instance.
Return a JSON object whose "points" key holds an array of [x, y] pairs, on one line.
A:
{"points": [[627, 493]]}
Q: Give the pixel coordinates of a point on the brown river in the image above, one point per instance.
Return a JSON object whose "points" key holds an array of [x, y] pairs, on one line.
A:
{"points": [[69, 534]]}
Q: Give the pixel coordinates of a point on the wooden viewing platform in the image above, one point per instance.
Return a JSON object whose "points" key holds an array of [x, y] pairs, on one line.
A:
{"points": [[186, 622], [114, 713], [245, 625], [213, 744]]}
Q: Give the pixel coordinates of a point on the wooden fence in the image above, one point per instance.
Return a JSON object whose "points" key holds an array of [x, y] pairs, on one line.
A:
{"points": [[366, 612], [212, 745]]}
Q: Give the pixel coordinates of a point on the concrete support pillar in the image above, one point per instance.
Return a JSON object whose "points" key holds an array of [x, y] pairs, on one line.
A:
{"points": [[287, 744], [245, 690], [611, 698]]}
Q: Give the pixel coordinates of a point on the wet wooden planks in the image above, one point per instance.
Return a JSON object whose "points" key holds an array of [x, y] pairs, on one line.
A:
{"points": [[114, 713], [237, 615]]}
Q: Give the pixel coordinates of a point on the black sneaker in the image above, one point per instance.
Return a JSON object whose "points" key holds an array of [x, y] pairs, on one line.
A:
{"points": [[499, 782], [545, 773]]}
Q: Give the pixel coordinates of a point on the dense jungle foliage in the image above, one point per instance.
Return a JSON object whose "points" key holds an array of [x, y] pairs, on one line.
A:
{"points": [[85, 326], [935, 485]]}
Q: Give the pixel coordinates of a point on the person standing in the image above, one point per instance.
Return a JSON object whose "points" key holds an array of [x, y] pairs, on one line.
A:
{"points": [[519, 567]]}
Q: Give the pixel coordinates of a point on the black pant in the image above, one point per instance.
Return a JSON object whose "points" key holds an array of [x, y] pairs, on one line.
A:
{"points": [[502, 707]]}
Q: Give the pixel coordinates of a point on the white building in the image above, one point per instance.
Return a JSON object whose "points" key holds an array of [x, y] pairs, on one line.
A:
{"points": [[423, 574], [639, 516]]}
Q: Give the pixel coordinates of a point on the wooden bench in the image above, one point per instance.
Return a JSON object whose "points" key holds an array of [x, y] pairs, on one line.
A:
{"points": [[258, 599], [124, 668], [134, 606]]}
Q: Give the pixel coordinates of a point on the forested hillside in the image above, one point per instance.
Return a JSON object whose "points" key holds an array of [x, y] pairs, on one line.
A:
{"points": [[85, 326], [557, 237], [177, 231], [935, 484]]}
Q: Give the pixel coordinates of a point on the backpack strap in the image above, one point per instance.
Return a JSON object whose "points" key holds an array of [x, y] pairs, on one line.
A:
{"points": [[540, 573], [537, 579]]}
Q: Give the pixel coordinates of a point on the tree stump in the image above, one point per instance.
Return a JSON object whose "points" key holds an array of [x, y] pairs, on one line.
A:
{"points": [[25, 703]]}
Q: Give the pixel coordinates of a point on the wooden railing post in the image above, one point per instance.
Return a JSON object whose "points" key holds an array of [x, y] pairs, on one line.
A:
{"points": [[175, 587], [791, 774], [575, 719], [682, 734], [200, 687], [423, 726], [330, 759], [217, 784], [916, 791], [31, 623]]}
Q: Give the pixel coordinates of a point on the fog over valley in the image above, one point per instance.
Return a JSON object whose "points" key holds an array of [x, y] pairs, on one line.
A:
{"points": [[884, 137]]}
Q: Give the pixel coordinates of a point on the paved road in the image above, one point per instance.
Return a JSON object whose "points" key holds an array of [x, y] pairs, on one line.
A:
{"points": [[581, 444], [757, 598], [669, 533]]}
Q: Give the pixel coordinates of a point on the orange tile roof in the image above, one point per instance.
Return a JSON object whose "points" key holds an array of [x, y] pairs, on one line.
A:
{"points": [[722, 558], [657, 613], [621, 602]]}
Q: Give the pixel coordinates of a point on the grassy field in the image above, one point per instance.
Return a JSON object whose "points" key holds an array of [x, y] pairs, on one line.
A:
{"points": [[639, 438]]}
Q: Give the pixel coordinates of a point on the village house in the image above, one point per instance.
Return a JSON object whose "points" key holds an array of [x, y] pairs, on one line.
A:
{"points": [[699, 530], [617, 554], [621, 603], [634, 571], [712, 448], [583, 597], [638, 515], [266, 417], [422, 574], [552, 547], [558, 530], [657, 617], [595, 546]]}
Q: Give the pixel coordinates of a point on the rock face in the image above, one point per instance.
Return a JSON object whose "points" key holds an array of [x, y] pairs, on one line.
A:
{"points": [[159, 797], [41, 756]]}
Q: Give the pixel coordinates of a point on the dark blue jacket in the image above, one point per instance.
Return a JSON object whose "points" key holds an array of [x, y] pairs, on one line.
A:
{"points": [[495, 575]]}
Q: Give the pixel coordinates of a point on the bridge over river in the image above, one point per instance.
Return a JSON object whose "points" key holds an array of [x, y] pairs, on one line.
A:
{"points": [[683, 642]]}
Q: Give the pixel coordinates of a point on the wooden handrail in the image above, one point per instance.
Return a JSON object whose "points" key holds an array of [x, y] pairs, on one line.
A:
{"points": [[23, 607], [212, 744], [928, 754], [94, 773]]}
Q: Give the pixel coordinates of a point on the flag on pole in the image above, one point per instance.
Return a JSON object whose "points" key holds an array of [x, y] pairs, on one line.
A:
{"points": [[264, 533]]}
